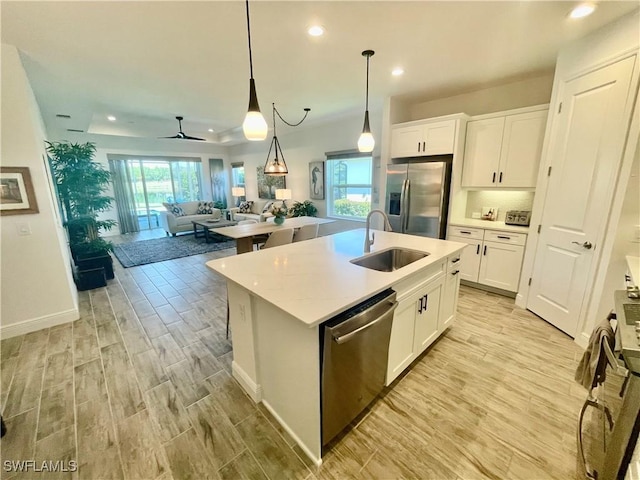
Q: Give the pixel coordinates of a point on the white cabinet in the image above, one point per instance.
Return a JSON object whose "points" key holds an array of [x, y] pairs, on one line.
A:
{"points": [[492, 257], [504, 150], [426, 307], [421, 139]]}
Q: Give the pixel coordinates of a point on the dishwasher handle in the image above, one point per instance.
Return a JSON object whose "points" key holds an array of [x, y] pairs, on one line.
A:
{"points": [[348, 336]]}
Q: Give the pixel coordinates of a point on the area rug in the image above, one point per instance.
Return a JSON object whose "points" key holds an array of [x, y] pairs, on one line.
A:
{"points": [[167, 248]]}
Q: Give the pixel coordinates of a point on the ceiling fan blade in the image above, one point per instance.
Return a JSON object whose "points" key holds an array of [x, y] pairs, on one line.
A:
{"points": [[175, 136], [187, 137]]}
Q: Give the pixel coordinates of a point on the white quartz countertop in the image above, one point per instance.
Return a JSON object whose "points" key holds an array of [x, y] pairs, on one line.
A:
{"points": [[314, 280], [488, 225]]}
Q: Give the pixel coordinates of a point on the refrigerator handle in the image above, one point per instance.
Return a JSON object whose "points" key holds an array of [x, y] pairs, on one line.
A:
{"points": [[406, 205], [402, 206]]}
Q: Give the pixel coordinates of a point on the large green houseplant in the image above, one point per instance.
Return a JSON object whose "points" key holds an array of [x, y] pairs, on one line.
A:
{"points": [[303, 209], [81, 184]]}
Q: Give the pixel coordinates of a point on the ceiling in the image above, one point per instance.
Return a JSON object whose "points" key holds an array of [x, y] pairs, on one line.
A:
{"points": [[146, 62]]}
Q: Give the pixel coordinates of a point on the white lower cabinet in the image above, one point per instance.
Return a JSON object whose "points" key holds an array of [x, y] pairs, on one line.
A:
{"points": [[492, 258], [425, 310]]}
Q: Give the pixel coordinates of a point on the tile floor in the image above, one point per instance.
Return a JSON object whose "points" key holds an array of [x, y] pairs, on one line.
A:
{"points": [[140, 387]]}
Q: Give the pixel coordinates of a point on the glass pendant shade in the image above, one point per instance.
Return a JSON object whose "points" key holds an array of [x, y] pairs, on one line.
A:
{"points": [[366, 142], [275, 166], [254, 125]]}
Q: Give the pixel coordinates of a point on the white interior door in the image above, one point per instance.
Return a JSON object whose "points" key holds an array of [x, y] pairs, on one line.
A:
{"points": [[585, 150]]}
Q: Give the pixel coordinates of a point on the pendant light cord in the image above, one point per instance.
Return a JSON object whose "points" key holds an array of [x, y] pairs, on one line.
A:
{"points": [[306, 112], [249, 36]]}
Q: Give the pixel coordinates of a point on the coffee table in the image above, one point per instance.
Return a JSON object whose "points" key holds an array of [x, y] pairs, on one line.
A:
{"points": [[202, 228]]}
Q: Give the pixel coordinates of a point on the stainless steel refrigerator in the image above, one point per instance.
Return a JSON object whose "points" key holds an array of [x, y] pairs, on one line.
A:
{"points": [[417, 198]]}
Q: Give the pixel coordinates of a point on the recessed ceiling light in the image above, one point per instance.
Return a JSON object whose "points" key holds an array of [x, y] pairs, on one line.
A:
{"points": [[396, 72], [316, 30], [111, 118], [582, 10], [211, 130]]}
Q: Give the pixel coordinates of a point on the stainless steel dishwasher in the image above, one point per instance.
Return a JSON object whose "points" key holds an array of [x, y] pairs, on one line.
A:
{"points": [[355, 347]]}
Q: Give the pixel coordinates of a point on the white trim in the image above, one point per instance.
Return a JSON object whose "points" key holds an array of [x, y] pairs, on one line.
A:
{"points": [[34, 324], [582, 340], [252, 388], [305, 449]]}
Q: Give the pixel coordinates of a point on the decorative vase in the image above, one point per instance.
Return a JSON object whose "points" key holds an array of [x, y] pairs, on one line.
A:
{"points": [[278, 220]]}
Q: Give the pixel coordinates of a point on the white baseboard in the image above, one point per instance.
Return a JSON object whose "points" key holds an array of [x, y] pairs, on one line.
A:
{"points": [[252, 388], [34, 324], [582, 339], [314, 458]]}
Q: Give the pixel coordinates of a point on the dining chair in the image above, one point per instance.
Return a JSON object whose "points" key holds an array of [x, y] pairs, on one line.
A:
{"points": [[279, 237], [306, 232], [257, 240]]}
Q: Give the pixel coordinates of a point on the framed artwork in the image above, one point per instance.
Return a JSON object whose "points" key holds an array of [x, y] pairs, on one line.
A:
{"points": [[268, 184], [316, 180], [16, 196]]}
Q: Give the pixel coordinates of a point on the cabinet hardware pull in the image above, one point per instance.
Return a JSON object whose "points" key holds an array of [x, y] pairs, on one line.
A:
{"points": [[455, 260], [465, 232], [478, 250], [500, 180], [455, 272], [494, 178], [504, 237], [485, 250], [423, 304], [418, 146], [424, 146]]}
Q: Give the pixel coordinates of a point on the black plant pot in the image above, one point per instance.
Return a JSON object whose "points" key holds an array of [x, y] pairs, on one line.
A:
{"points": [[100, 261], [90, 278]]}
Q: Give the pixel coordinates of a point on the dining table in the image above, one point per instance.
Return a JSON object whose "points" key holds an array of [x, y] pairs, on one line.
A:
{"points": [[243, 234]]}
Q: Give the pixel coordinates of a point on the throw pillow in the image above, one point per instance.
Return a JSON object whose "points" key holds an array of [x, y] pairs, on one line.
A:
{"points": [[175, 209], [266, 207], [245, 207], [204, 208]]}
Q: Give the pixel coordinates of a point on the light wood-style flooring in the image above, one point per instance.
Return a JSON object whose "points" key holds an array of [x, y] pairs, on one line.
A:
{"points": [[140, 387]]}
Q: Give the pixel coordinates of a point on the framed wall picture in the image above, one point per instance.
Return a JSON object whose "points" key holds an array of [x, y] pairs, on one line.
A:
{"points": [[316, 180], [16, 196], [268, 184]]}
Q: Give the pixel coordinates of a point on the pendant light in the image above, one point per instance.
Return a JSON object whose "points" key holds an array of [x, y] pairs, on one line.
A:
{"points": [[254, 125], [277, 167], [366, 141]]}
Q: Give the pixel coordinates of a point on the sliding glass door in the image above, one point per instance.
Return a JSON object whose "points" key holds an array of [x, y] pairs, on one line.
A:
{"points": [[157, 181]]}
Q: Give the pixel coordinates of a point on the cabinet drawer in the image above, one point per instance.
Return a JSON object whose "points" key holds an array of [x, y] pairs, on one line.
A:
{"points": [[454, 261], [418, 280], [466, 232], [505, 237]]}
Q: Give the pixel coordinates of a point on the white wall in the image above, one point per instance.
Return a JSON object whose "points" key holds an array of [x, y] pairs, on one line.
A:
{"points": [[36, 288], [626, 240], [522, 93]]}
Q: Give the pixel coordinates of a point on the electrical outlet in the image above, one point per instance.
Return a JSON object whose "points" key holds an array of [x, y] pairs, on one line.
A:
{"points": [[243, 316], [24, 228]]}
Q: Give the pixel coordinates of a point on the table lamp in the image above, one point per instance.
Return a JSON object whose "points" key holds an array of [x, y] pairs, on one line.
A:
{"points": [[283, 194]]}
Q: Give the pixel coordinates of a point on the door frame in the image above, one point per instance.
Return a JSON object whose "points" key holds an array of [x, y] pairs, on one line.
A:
{"points": [[567, 69]]}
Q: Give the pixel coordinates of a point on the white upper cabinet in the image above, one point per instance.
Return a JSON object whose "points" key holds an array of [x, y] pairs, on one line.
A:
{"points": [[422, 139], [504, 150]]}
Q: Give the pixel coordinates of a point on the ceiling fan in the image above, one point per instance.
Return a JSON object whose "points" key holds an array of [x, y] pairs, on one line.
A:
{"points": [[183, 135]]}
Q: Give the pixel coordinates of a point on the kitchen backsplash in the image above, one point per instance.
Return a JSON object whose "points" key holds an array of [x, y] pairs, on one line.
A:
{"points": [[503, 201]]}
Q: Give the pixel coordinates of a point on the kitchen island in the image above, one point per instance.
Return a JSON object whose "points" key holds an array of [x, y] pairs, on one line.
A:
{"points": [[280, 297]]}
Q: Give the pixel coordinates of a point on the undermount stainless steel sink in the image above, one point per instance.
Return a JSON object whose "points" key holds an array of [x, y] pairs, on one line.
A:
{"points": [[389, 260]]}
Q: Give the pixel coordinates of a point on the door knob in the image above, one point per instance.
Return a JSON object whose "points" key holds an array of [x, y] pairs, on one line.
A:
{"points": [[586, 245]]}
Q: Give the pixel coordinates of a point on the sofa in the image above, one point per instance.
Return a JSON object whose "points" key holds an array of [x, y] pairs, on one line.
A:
{"points": [[257, 210], [177, 217]]}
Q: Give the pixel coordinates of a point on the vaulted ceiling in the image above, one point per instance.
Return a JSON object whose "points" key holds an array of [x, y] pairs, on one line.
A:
{"points": [[146, 62]]}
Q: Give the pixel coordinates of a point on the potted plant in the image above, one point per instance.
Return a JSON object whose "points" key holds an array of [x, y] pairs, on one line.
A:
{"points": [[81, 184], [304, 209], [279, 212]]}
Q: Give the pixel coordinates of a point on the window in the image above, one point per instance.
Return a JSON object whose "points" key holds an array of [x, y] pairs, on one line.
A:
{"points": [[237, 179], [349, 185]]}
